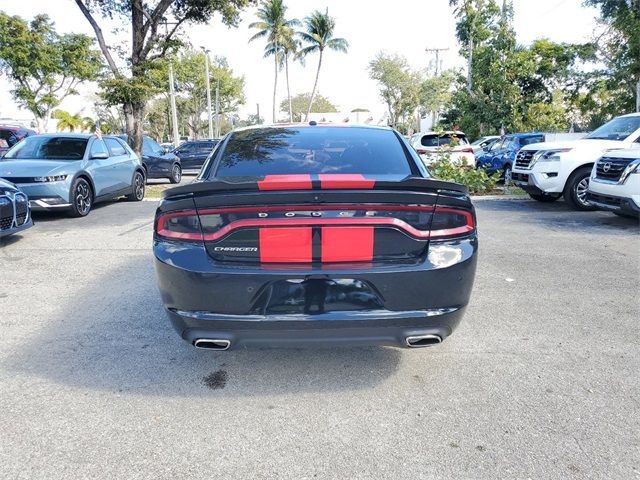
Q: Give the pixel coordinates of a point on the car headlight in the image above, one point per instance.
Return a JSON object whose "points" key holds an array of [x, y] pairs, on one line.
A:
{"points": [[636, 169], [548, 155], [54, 178]]}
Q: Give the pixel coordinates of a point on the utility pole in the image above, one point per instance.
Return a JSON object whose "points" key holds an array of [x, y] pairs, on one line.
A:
{"points": [[434, 114], [206, 73], [218, 109], [257, 113], [172, 95], [437, 52], [174, 112]]}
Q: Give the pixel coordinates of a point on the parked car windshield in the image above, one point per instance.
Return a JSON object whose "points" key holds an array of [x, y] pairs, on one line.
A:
{"points": [[312, 150], [616, 129], [48, 148], [435, 140]]}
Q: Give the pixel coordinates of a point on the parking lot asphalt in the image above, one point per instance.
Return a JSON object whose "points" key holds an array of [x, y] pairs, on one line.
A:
{"points": [[539, 381]]}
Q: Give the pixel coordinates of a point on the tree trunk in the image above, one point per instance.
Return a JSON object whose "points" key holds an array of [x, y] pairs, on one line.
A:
{"points": [[470, 66], [134, 116], [286, 70], [315, 85], [275, 81]]}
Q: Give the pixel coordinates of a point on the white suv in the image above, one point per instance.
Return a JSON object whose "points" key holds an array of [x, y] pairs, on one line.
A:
{"points": [[431, 145], [550, 170], [615, 182]]}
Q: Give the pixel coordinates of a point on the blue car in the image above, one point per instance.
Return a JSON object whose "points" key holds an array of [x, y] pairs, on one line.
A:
{"points": [[15, 214], [73, 171], [157, 161], [500, 157]]}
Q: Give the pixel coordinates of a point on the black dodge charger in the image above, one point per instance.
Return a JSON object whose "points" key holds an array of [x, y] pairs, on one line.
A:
{"points": [[315, 234]]}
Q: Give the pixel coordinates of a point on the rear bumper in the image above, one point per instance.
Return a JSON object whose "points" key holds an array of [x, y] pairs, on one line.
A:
{"points": [[381, 327], [204, 300]]}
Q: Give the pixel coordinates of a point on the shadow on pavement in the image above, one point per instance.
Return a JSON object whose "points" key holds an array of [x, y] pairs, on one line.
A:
{"points": [[113, 335]]}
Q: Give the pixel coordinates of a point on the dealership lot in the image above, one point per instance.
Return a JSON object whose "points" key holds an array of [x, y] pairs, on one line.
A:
{"points": [[540, 380]]}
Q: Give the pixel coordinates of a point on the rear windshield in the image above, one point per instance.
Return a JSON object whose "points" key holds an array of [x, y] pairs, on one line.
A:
{"points": [[48, 148], [444, 139], [312, 150]]}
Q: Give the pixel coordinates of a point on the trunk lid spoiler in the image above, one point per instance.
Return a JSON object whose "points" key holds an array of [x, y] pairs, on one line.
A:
{"points": [[314, 183]]}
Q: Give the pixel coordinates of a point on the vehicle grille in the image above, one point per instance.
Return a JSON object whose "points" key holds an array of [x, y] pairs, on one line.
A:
{"points": [[11, 207], [605, 199], [523, 158], [22, 209], [520, 177], [5, 223], [609, 168]]}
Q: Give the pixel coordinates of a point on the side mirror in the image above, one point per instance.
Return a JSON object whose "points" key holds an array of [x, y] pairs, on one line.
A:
{"points": [[99, 156]]}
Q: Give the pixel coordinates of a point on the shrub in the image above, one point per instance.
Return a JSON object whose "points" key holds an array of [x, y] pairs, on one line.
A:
{"points": [[478, 181]]}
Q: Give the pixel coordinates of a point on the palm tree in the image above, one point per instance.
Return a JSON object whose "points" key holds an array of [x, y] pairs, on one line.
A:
{"points": [[87, 124], [273, 25], [319, 36], [66, 121], [288, 48]]}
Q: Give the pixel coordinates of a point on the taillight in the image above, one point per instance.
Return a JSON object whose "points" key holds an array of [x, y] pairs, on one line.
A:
{"points": [[420, 222], [449, 222], [467, 150], [422, 152], [184, 225]]}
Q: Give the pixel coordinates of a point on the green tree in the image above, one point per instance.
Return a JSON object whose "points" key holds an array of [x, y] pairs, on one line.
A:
{"points": [[399, 87], [191, 85], [510, 84], [289, 47], [273, 25], [131, 84], [436, 93], [300, 105], [67, 121], [620, 46], [318, 37], [44, 66]]}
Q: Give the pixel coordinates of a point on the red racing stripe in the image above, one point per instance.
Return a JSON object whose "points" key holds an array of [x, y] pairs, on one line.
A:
{"points": [[347, 244], [285, 182], [344, 180], [285, 245]]}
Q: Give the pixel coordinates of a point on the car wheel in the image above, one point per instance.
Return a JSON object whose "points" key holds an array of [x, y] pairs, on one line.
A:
{"points": [[545, 197], [81, 198], [176, 174], [575, 192], [138, 188]]}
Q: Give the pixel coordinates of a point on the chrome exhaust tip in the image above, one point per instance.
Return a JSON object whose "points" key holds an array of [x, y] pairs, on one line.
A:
{"points": [[423, 340], [212, 343]]}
